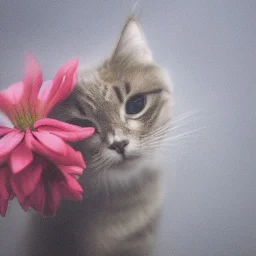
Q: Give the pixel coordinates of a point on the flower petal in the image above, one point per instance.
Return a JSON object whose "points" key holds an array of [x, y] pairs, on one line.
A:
{"points": [[71, 158], [63, 84], [72, 170], [13, 94], [20, 157], [24, 183], [43, 94], [4, 193], [70, 188], [52, 142], [44, 199], [3, 206], [52, 201], [11, 195], [3, 159], [67, 132], [32, 79], [42, 98], [5, 120], [73, 136], [10, 141], [5, 130], [36, 199], [67, 70], [57, 124], [10, 99]]}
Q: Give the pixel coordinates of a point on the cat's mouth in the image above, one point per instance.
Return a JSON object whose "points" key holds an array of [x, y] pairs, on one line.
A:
{"points": [[126, 160], [115, 160], [126, 157]]}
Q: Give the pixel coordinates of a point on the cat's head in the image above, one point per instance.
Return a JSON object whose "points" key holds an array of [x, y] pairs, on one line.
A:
{"points": [[128, 100]]}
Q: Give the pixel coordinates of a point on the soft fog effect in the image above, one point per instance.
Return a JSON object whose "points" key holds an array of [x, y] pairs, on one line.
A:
{"points": [[209, 49]]}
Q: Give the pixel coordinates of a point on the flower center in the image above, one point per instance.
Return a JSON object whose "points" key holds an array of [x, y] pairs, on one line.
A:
{"points": [[23, 121]]}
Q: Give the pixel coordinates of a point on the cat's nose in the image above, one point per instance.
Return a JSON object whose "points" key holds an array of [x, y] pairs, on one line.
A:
{"points": [[119, 146]]}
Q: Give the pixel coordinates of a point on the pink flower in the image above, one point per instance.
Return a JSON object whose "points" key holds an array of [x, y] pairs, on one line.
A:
{"points": [[37, 164], [5, 189]]}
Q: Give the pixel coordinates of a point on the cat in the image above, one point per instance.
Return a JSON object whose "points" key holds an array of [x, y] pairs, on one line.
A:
{"points": [[128, 99]]}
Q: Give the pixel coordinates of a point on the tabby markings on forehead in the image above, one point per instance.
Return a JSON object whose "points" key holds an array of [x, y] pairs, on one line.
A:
{"points": [[108, 94], [80, 109], [85, 94], [118, 94], [101, 82], [104, 91], [127, 87]]}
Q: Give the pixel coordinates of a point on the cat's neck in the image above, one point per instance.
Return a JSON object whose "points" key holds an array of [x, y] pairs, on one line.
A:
{"points": [[113, 186]]}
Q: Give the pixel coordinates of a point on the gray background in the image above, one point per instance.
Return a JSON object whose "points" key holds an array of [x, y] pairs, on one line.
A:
{"points": [[209, 49]]}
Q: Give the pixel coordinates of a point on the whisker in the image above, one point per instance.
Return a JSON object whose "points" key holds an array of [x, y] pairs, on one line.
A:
{"points": [[185, 133], [160, 135], [174, 127], [158, 129], [99, 164], [164, 130], [150, 140], [159, 142], [185, 115], [96, 158]]}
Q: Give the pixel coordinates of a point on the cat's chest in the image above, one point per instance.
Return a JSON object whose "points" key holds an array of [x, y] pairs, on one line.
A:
{"points": [[106, 226]]}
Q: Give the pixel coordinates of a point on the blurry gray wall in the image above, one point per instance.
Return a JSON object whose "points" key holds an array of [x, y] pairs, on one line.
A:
{"points": [[209, 49]]}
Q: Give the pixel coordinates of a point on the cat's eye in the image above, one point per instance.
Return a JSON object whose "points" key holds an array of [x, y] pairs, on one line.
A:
{"points": [[84, 123], [135, 104]]}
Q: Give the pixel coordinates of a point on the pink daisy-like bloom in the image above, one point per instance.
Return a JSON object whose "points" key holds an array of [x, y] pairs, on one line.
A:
{"points": [[37, 164]]}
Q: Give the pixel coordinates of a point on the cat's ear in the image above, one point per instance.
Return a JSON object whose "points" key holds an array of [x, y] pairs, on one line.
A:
{"points": [[132, 44]]}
